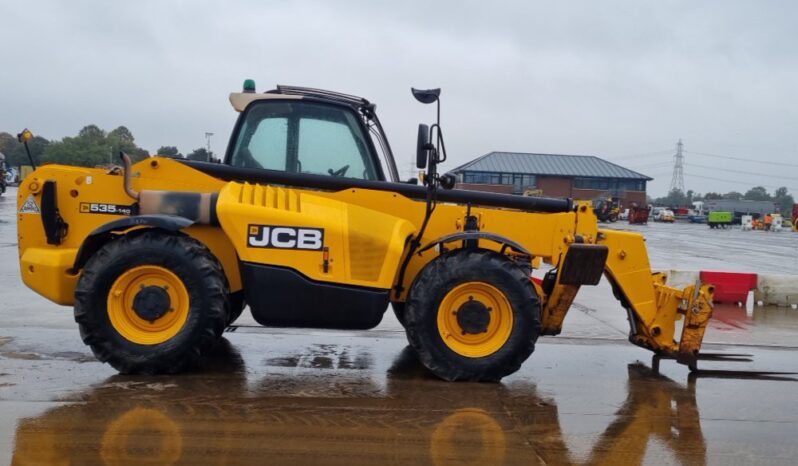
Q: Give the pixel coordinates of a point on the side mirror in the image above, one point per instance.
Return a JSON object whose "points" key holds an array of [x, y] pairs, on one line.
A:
{"points": [[426, 96], [422, 152]]}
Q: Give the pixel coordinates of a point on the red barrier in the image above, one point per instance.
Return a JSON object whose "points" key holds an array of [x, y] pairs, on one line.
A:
{"points": [[730, 287]]}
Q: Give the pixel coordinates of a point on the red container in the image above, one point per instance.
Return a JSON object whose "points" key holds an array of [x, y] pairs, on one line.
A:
{"points": [[638, 215], [730, 287]]}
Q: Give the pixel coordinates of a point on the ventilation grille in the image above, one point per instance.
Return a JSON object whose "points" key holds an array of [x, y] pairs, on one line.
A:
{"points": [[269, 196]]}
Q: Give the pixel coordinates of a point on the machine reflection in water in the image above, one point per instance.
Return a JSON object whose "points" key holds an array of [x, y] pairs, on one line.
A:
{"points": [[220, 417]]}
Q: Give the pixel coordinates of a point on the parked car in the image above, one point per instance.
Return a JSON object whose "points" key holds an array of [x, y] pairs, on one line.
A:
{"points": [[664, 215]]}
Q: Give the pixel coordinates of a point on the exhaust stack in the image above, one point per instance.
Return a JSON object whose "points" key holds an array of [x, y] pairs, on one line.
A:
{"points": [[198, 207]]}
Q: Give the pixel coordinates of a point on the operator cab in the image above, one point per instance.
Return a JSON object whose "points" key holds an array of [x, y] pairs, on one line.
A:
{"points": [[309, 131], [316, 139]]}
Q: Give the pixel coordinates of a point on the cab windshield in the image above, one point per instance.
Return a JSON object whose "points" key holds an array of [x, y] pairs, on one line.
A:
{"points": [[299, 136]]}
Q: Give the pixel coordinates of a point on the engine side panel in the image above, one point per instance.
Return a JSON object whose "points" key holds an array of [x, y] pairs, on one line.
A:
{"points": [[324, 239], [88, 198]]}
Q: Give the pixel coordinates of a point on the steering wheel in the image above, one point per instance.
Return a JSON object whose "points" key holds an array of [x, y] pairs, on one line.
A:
{"points": [[340, 172]]}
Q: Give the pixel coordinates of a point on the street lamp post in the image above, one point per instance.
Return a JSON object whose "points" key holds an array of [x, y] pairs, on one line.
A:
{"points": [[208, 139]]}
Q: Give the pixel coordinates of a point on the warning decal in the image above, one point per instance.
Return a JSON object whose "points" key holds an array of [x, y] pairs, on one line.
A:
{"points": [[29, 207]]}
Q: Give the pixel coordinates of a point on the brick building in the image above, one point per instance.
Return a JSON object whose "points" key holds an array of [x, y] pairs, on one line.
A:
{"points": [[575, 176]]}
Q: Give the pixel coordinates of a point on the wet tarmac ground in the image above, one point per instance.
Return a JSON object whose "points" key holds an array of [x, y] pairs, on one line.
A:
{"points": [[279, 396]]}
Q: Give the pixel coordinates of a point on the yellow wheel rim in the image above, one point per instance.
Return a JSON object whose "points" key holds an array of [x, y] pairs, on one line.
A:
{"points": [[127, 321], [487, 340]]}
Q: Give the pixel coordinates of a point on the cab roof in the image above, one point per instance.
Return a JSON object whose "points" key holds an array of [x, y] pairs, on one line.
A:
{"points": [[240, 100]]}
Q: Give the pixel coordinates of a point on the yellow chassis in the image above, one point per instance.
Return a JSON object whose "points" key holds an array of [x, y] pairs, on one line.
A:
{"points": [[366, 233]]}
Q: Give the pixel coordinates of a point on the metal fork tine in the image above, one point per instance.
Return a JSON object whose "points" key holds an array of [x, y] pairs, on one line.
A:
{"points": [[725, 357], [756, 375]]}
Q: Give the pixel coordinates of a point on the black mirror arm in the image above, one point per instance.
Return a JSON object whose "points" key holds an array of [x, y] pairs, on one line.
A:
{"points": [[441, 146]]}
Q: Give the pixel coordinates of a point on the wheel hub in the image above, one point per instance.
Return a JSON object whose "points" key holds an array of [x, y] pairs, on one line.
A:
{"points": [[151, 303], [473, 317]]}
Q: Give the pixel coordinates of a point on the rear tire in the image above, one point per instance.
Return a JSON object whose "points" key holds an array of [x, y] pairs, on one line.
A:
{"points": [[165, 341], [473, 315]]}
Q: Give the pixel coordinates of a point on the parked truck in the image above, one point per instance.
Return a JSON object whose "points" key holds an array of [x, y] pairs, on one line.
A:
{"points": [[738, 208], [719, 219]]}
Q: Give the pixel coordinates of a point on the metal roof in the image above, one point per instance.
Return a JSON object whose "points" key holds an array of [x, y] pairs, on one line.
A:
{"points": [[549, 164]]}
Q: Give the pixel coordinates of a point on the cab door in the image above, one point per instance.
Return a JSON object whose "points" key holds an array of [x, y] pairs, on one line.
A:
{"points": [[309, 259]]}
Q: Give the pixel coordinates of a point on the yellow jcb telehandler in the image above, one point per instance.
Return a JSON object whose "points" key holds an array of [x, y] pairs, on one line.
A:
{"points": [[307, 222]]}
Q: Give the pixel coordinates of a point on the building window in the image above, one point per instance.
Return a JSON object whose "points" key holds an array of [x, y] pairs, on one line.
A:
{"points": [[519, 181], [522, 182], [475, 177], [612, 184], [592, 183], [633, 185]]}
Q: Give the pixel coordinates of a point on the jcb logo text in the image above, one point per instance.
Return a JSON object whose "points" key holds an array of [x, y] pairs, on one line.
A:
{"points": [[279, 237]]}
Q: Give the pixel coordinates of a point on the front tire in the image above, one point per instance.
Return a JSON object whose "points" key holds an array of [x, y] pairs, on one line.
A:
{"points": [[151, 302], [473, 315], [399, 312], [236, 303]]}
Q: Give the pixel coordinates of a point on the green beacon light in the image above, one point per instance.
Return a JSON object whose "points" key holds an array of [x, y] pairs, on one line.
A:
{"points": [[249, 85]]}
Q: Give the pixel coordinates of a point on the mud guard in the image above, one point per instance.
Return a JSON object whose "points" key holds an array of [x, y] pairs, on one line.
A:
{"points": [[476, 235], [100, 235]]}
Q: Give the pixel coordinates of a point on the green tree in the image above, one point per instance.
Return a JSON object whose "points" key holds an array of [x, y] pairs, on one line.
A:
{"points": [[734, 195], [121, 139], [15, 152], [87, 150], [757, 193], [784, 200], [169, 151], [93, 146], [92, 134], [713, 196], [200, 154], [7, 143], [675, 198], [122, 135]]}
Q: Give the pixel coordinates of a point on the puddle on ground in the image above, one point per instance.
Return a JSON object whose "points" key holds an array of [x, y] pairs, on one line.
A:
{"points": [[325, 356]]}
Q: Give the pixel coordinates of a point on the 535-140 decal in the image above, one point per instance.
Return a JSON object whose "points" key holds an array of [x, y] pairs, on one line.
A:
{"points": [[103, 208]]}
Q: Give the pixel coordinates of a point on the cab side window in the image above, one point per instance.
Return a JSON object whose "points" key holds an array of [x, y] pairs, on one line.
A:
{"points": [[269, 143], [304, 137], [263, 138]]}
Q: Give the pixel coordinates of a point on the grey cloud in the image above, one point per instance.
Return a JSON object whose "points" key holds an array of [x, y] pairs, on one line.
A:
{"points": [[609, 78]]}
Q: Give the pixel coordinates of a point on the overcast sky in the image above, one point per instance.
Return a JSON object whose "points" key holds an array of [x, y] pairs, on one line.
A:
{"points": [[607, 78]]}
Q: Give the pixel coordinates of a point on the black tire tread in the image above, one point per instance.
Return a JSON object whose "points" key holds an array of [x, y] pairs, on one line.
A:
{"points": [[237, 304], [165, 358], [467, 265]]}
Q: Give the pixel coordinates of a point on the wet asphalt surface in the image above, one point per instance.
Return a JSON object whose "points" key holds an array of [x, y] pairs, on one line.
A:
{"points": [[278, 396]]}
